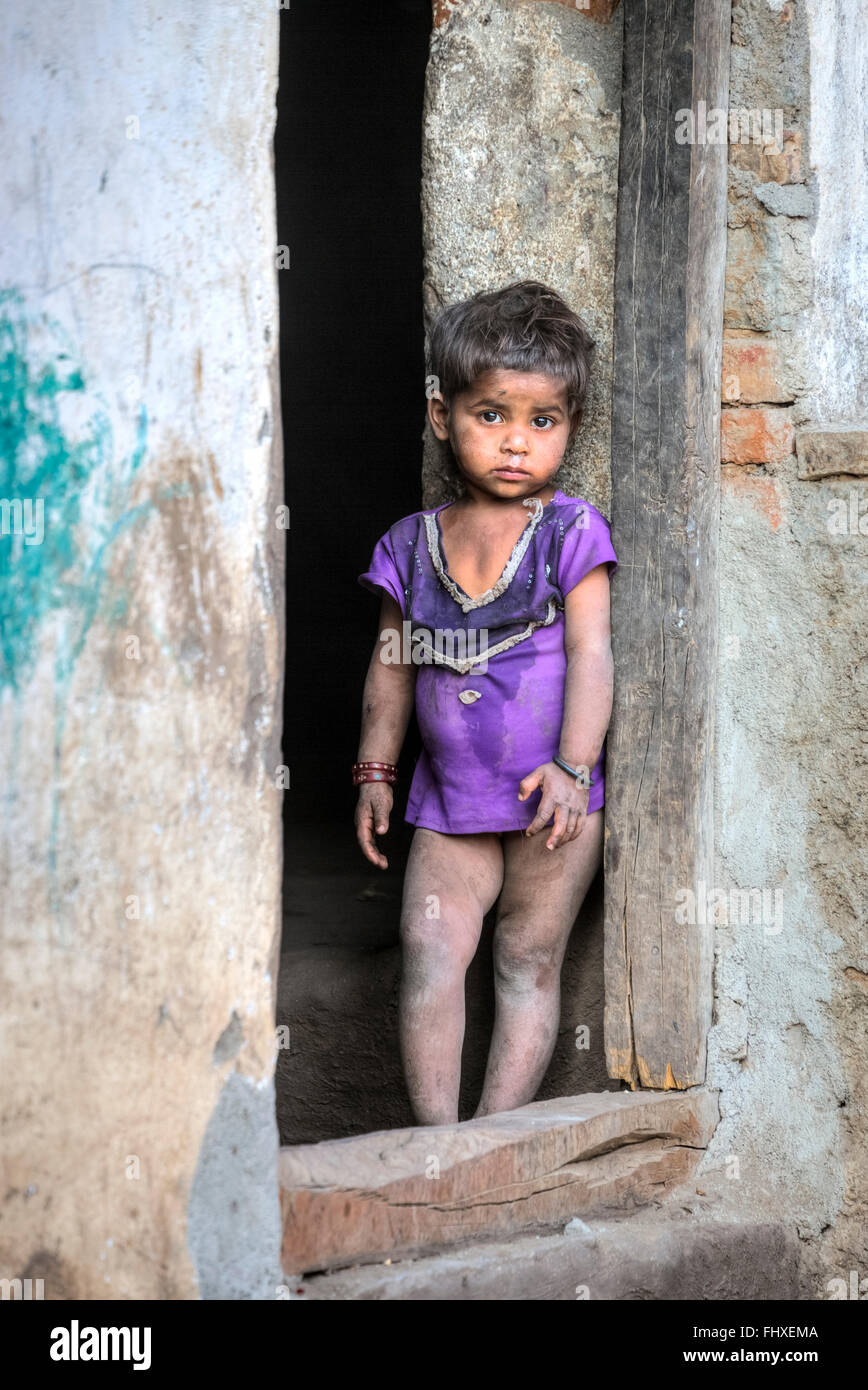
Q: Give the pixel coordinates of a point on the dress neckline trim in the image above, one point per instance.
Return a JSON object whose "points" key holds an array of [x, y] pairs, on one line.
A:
{"points": [[438, 558]]}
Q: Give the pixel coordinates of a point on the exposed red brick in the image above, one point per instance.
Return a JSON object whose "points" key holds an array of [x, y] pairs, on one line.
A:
{"points": [[751, 369], [756, 436], [762, 493]]}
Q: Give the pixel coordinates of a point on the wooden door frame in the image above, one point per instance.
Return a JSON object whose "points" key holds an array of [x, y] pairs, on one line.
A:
{"points": [[669, 285]]}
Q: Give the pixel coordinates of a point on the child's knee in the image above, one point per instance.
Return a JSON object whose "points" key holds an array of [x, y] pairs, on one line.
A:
{"points": [[439, 938], [522, 967]]}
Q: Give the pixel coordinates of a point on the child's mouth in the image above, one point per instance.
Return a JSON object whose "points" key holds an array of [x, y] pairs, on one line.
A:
{"points": [[511, 473]]}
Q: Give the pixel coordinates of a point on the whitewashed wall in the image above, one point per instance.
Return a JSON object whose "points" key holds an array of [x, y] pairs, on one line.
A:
{"points": [[141, 662]]}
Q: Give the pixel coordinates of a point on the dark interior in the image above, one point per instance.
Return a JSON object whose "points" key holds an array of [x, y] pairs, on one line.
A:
{"points": [[348, 174], [347, 161]]}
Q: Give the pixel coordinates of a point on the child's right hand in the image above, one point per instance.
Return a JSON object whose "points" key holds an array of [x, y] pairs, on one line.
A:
{"points": [[372, 816]]}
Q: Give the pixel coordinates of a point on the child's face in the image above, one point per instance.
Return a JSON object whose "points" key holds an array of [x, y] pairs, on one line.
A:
{"points": [[508, 431]]}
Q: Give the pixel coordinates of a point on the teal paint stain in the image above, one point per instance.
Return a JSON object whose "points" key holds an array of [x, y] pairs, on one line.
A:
{"points": [[65, 459], [40, 460]]}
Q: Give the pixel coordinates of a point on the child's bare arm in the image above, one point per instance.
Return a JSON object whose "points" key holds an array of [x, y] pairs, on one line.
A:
{"points": [[387, 702], [588, 693], [587, 709]]}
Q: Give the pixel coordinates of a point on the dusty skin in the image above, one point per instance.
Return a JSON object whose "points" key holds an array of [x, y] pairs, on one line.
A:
{"points": [[459, 877]]}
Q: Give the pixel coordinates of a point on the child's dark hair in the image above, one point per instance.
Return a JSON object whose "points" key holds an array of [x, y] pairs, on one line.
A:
{"points": [[524, 327]]}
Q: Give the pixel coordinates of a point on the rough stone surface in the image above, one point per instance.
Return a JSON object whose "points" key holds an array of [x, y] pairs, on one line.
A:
{"points": [[823, 453], [600, 10], [771, 163], [141, 664], [769, 281], [785, 200], [520, 160], [768, 278]]}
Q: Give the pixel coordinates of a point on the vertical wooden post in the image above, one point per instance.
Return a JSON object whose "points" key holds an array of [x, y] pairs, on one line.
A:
{"points": [[669, 284]]}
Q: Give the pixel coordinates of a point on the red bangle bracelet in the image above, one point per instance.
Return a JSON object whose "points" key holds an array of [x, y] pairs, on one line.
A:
{"points": [[371, 771]]}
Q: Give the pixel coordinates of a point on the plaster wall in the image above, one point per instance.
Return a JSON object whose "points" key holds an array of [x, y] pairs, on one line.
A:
{"points": [[141, 661], [788, 1046], [520, 181]]}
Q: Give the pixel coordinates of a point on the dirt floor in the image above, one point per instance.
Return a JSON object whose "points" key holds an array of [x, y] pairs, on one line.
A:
{"points": [[338, 994]]}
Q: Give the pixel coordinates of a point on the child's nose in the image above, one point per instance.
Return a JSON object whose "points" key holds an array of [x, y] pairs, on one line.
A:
{"points": [[516, 440]]}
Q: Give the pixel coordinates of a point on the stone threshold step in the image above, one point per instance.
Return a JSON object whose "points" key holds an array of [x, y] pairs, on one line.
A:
{"points": [[408, 1191], [653, 1254]]}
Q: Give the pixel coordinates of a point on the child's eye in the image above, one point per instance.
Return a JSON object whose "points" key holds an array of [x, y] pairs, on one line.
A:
{"points": [[495, 413], [546, 419]]}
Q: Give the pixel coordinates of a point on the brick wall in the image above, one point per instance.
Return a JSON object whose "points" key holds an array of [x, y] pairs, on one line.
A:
{"points": [[768, 262]]}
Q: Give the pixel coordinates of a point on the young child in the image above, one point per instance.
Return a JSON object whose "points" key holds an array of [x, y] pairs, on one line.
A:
{"points": [[505, 595]]}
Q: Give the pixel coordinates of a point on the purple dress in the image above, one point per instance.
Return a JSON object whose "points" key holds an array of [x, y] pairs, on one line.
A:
{"points": [[490, 687]]}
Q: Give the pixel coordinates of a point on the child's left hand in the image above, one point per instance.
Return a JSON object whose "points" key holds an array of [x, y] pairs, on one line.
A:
{"points": [[561, 798]]}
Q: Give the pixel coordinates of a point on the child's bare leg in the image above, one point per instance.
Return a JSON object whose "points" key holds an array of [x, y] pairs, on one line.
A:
{"points": [[542, 893], [450, 883]]}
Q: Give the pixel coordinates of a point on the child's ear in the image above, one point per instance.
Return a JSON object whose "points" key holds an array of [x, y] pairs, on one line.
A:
{"points": [[438, 414]]}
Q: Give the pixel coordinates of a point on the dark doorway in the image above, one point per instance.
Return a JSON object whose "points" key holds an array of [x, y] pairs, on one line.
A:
{"points": [[348, 177], [347, 165]]}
